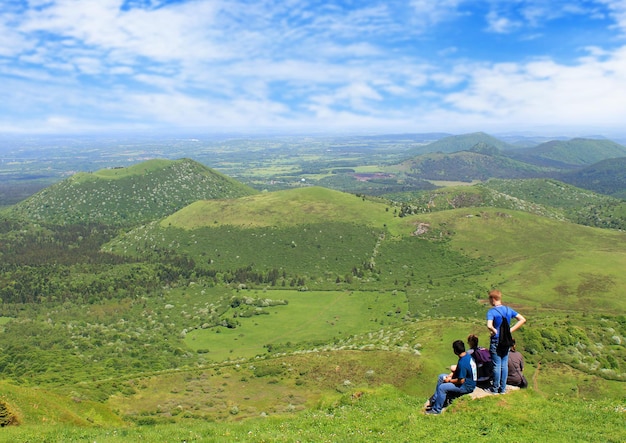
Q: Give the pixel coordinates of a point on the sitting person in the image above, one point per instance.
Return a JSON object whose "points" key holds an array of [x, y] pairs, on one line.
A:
{"points": [[516, 369], [462, 381], [482, 357]]}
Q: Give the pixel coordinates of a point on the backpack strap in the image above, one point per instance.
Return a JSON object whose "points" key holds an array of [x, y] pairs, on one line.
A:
{"points": [[500, 313]]}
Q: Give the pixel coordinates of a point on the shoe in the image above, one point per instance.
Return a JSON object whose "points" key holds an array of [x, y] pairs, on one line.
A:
{"points": [[432, 412]]}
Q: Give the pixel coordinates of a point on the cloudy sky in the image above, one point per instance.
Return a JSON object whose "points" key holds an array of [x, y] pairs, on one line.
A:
{"points": [[351, 66]]}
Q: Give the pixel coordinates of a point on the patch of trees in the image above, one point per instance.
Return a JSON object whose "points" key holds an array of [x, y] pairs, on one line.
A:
{"points": [[609, 215], [375, 187], [84, 284], [35, 244], [593, 345]]}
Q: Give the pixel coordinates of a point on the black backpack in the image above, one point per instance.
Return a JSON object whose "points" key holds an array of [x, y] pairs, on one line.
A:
{"points": [[505, 339]]}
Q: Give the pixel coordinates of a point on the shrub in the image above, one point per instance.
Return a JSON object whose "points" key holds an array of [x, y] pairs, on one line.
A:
{"points": [[7, 416]]}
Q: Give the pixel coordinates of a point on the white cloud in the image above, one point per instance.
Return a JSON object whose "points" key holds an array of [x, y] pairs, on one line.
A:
{"points": [[430, 12], [175, 34], [294, 62], [617, 9], [589, 93], [500, 24]]}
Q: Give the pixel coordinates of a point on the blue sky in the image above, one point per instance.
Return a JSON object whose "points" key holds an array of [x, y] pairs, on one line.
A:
{"points": [[311, 66]]}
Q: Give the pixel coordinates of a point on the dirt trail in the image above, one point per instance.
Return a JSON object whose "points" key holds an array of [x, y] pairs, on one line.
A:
{"points": [[535, 376]]}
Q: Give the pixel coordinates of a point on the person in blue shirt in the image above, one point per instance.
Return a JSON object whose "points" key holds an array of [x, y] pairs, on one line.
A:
{"points": [[461, 381], [494, 320]]}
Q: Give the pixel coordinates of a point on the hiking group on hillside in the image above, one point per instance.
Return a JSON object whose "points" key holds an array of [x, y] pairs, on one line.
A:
{"points": [[477, 366]]}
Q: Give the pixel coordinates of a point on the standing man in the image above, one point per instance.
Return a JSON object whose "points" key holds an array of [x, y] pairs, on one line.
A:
{"points": [[462, 381], [495, 315]]}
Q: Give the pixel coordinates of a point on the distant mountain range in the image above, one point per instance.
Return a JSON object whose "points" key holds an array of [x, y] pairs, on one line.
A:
{"points": [[594, 164]]}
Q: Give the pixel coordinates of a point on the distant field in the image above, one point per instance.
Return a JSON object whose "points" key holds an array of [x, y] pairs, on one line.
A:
{"points": [[446, 183], [313, 316]]}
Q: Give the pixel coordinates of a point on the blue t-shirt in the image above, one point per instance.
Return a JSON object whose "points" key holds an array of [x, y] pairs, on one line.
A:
{"points": [[497, 312], [466, 368]]}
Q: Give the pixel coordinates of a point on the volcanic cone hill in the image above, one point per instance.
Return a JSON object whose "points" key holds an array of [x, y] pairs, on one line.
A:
{"points": [[129, 196]]}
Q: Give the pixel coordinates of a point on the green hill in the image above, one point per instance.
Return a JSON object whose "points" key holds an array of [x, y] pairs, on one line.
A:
{"points": [[128, 196], [282, 208], [575, 152], [254, 355], [481, 162], [540, 196], [464, 142], [576, 204], [606, 177], [312, 232]]}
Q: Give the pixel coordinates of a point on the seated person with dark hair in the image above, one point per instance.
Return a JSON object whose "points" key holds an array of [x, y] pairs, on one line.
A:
{"points": [[516, 369], [462, 381]]}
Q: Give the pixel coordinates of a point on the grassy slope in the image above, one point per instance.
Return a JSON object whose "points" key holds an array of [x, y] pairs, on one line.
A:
{"points": [[534, 256], [546, 197], [282, 208], [548, 192], [536, 259], [379, 415], [33, 406]]}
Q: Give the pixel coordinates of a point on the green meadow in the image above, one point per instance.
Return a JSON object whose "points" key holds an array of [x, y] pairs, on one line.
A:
{"points": [[283, 208], [315, 317]]}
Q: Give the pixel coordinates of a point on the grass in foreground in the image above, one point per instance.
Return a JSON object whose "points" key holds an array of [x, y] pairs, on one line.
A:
{"points": [[381, 415]]}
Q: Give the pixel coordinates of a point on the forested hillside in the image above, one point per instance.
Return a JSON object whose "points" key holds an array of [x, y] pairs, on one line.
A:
{"points": [[467, 166], [606, 177], [575, 152], [127, 196]]}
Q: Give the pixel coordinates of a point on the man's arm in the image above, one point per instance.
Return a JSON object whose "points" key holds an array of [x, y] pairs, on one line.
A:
{"points": [[492, 330], [456, 381], [520, 321], [460, 378]]}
